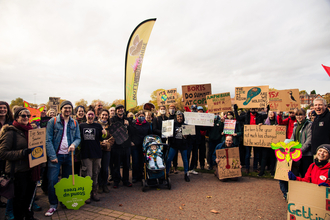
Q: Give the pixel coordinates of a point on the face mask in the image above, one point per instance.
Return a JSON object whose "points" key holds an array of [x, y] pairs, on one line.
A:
{"points": [[172, 111], [162, 112], [141, 119], [229, 116], [104, 122], [215, 117]]}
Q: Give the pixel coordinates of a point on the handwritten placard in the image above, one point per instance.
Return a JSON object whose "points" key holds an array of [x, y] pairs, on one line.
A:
{"points": [[54, 103], [252, 97], [229, 127], [195, 118], [37, 143], [282, 169], [188, 130], [167, 128], [229, 164], [166, 97], [263, 135], [119, 132], [284, 100], [195, 94], [218, 103]]}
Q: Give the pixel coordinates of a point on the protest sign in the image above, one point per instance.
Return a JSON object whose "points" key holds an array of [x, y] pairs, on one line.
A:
{"points": [[263, 135], [308, 201], [35, 113], [166, 97], [252, 97], [54, 103], [195, 118], [188, 130], [217, 103], [195, 94], [282, 169], [229, 127], [74, 196], [167, 128], [229, 164], [37, 143], [119, 132], [284, 100]]}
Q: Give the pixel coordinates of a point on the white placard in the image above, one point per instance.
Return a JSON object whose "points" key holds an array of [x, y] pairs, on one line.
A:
{"points": [[167, 128], [188, 130], [195, 118]]}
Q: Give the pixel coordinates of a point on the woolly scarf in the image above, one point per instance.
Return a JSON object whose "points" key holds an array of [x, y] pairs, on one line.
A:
{"points": [[35, 171], [139, 123]]}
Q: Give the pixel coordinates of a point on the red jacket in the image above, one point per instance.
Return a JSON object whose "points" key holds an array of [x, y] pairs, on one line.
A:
{"points": [[316, 174], [289, 123]]}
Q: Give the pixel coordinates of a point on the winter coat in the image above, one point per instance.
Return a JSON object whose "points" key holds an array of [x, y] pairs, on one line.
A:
{"points": [[157, 125], [127, 143], [305, 137], [218, 147], [6, 149], [321, 130], [246, 118], [140, 131], [316, 174], [289, 123]]}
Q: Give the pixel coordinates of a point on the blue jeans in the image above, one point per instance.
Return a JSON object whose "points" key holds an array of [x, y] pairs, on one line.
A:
{"points": [[64, 160], [137, 162], [170, 157], [104, 171]]}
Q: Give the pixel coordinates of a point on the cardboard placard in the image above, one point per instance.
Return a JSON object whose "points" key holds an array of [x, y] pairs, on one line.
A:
{"points": [[119, 132], [54, 103], [218, 103], [166, 97], [284, 100], [308, 201], [188, 130], [229, 127], [282, 169], [263, 135], [252, 97], [167, 128], [73, 196], [37, 142], [195, 94], [195, 118], [229, 165]]}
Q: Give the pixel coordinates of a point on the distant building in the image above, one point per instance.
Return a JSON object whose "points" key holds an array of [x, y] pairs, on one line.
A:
{"points": [[307, 100]]}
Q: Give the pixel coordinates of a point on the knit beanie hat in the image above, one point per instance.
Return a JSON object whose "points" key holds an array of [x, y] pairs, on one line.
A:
{"points": [[18, 110], [325, 147], [65, 103]]}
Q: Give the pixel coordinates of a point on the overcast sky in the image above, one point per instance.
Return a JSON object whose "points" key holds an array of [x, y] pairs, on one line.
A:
{"points": [[76, 49]]}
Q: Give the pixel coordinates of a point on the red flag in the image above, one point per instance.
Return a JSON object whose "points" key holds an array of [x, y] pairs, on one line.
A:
{"points": [[327, 69]]}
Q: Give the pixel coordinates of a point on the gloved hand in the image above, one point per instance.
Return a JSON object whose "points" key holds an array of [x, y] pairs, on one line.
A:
{"points": [[291, 176], [235, 107], [26, 152], [324, 184]]}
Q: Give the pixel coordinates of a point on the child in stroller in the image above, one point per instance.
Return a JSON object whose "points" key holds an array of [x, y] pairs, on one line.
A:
{"points": [[154, 154]]}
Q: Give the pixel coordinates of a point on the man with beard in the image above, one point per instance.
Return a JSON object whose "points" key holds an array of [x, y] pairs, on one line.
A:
{"points": [[321, 125], [121, 152], [289, 122], [62, 138], [112, 112], [252, 117], [98, 109]]}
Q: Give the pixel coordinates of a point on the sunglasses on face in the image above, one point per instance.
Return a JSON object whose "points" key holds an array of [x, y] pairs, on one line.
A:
{"points": [[24, 116]]}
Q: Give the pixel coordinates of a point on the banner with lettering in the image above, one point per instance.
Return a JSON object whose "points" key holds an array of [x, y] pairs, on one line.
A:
{"points": [[217, 103], [263, 135], [252, 97], [166, 97], [202, 119], [284, 100], [37, 143], [136, 48], [195, 94], [229, 164]]}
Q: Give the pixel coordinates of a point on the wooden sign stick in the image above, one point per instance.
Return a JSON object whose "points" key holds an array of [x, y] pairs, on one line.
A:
{"points": [[72, 161]]}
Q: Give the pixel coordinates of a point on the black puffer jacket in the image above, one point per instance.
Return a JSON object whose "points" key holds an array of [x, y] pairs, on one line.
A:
{"points": [[6, 149], [321, 130]]}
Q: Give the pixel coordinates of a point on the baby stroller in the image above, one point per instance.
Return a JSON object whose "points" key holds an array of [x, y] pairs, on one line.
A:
{"points": [[154, 163]]}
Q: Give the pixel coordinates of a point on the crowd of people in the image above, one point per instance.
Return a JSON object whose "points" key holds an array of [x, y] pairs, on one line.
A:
{"points": [[86, 134]]}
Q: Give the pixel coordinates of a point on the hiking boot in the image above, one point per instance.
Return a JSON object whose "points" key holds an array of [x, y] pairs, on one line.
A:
{"points": [[105, 189], [100, 190], [186, 177], [88, 201], [95, 197]]}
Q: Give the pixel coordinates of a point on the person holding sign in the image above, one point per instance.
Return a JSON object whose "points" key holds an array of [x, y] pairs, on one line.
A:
{"points": [[215, 135], [318, 172], [14, 149], [157, 123], [178, 142], [91, 153], [62, 138]]}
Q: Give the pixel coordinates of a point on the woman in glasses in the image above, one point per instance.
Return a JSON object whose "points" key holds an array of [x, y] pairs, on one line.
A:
{"points": [[91, 134], [14, 149]]}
